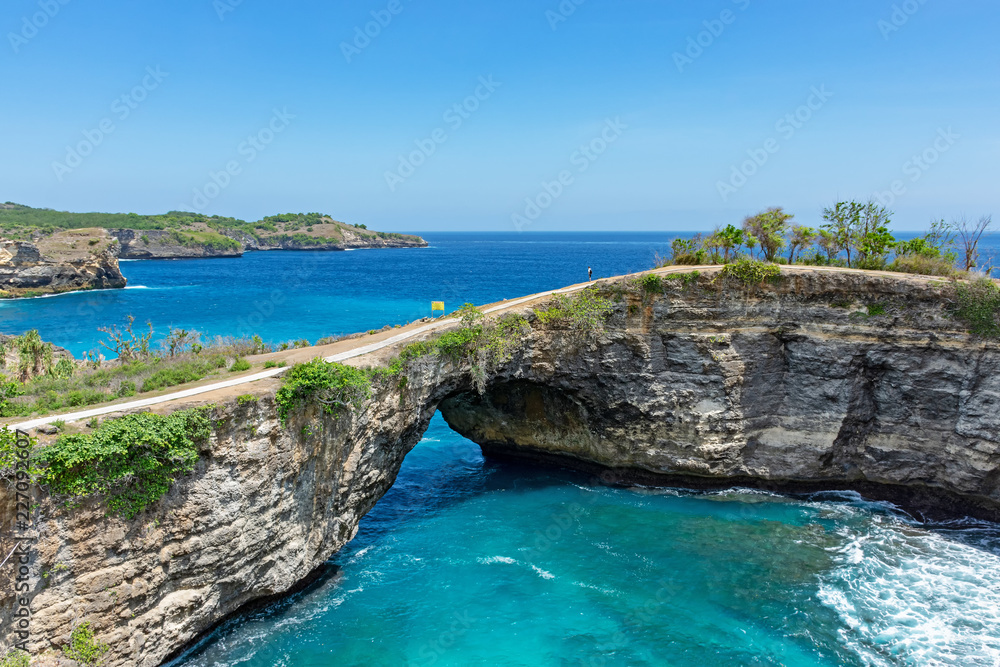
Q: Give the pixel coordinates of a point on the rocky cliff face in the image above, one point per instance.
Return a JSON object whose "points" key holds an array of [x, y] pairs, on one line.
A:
{"points": [[70, 260], [158, 244], [233, 243], [795, 387], [797, 384]]}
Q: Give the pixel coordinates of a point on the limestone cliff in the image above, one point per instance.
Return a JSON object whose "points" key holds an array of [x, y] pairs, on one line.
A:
{"points": [[65, 261], [824, 380]]}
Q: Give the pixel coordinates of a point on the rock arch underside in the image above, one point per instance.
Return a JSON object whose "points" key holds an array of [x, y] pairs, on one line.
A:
{"points": [[791, 386]]}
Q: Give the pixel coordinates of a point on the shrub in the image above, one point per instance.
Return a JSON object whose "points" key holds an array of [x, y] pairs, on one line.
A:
{"points": [[650, 283], [246, 399], [923, 265], [131, 461], [15, 658], [752, 271], [337, 386], [686, 279], [239, 366], [83, 647], [979, 307], [876, 309]]}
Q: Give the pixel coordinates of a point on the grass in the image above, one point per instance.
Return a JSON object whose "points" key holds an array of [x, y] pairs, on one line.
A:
{"points": [[86, 384]]}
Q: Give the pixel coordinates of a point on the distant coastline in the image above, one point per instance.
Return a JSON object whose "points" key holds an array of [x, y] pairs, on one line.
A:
{"points": [[43, 251]]}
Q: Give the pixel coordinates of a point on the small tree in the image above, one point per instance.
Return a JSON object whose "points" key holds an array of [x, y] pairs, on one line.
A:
{"points": [[128, 345], [969, 234], [801, 238], [179, 340], [35, 356], [769, 228], [729, 240], [828, 242], [873, 239], [842, 222]]}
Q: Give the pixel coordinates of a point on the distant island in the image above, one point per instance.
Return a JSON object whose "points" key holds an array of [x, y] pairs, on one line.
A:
{"points": [[43, 251]]}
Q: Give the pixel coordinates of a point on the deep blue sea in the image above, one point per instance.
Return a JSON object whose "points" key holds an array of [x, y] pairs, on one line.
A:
{"points": [[472, 562]]}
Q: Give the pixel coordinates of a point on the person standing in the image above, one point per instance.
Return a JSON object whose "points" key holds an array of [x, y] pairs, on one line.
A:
{"points": [[590, 274]]}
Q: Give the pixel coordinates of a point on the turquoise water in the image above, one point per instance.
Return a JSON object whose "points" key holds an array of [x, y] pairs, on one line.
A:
{"points": [[468, 562]]}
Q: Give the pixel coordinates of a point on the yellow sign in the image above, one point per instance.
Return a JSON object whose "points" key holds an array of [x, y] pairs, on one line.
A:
{"points": [[437, 305]]}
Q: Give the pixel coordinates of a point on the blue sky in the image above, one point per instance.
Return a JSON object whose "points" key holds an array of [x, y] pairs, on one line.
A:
{"points": [[669, 135]]}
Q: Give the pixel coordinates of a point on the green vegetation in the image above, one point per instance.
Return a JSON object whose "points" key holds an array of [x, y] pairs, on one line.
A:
{"points": [[752, 271], [275, 364], [246, 399], [84, 648], [877, 309], [239, 366], [854, 235], [131, 461], [39, 386], [183, 228], [336, 386], [584, 313], [686, 279], [9, 455], [979, 307], [15, 658]]}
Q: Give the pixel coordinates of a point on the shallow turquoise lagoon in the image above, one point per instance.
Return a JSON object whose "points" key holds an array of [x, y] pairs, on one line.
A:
{"points": [[469, 562]]}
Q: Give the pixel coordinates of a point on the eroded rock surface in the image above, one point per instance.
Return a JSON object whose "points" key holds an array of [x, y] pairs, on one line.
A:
{"points": [[70, 260], [791, 384]]}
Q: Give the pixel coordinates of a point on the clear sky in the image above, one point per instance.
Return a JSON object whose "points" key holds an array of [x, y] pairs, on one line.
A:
{"points": [[670, 99]]}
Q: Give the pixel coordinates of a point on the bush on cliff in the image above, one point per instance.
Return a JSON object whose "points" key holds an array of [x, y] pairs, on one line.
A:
{"points": [[131, 461], [979, 307], [751, 271], [585, 313], [336, 386]]}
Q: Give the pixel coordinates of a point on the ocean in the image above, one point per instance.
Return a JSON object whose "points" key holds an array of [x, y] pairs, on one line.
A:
{"points": [[467, 561]]}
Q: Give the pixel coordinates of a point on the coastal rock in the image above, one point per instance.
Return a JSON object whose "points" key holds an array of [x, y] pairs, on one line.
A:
{"points": [[792, 386], [65, 261], [160, 244]]}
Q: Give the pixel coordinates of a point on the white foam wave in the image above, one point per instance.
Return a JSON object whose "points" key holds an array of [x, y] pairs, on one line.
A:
{"points": [[496, 559], [544, 574], [908, 596]]}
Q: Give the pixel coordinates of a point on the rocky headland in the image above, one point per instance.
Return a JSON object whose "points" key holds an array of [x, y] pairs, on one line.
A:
{"points": [[820, 380], [77, 259]]}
